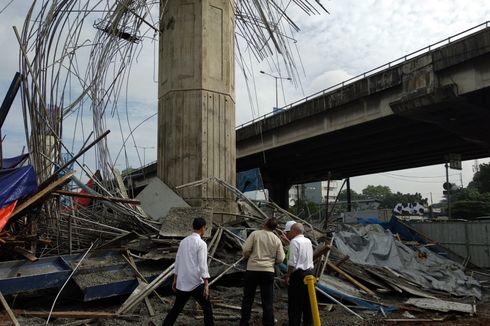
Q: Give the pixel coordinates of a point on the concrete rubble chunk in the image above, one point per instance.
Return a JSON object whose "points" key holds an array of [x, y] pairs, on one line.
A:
{"points": [[178, 222], [441, 305], [157, 199]]}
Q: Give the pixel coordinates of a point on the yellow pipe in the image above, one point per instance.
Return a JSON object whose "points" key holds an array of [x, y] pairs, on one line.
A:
{"points": [[310, 281]]}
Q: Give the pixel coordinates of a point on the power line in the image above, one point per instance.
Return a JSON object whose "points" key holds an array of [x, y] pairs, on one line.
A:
{"points": [[409, 180], [419, 177]]}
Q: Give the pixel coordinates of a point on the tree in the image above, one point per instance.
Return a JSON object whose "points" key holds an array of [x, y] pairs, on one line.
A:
{"points": [[377, 192], [391, 200], [469, 203], [353, 195], [304, 208], [470, 209], [481, 179]]}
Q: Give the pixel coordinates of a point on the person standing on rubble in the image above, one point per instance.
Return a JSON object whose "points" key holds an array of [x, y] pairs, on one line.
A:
{"points": [[263, 250], [286, 238], [300, 264], [191, 275]]}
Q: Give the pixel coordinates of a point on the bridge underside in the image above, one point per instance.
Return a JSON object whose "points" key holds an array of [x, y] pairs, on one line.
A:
{"points": [[421, 132]]}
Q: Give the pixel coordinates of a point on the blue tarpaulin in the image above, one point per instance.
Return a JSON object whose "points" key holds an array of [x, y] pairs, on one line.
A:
{"points": [[8, 163], [355, 300], [16, 184], [249, 180]]}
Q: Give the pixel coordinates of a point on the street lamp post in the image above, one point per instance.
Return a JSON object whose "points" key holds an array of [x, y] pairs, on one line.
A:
{"points": [[276, 78], [144, 152]]}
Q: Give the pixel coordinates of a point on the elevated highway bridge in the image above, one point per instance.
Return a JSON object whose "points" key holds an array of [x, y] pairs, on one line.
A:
{"points": [[411, 112]]}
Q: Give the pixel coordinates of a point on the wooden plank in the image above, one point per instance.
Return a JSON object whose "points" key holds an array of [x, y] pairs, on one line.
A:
{"points": [[41, 194], [26, 253], [9, 311], [68, 314], [232, 307], [351, 279], [414, 320], [99, 197], [141, 280], [124, 191]]}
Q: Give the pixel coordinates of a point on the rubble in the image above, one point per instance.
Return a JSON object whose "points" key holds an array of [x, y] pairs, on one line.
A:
{"points": [[359, 268]]}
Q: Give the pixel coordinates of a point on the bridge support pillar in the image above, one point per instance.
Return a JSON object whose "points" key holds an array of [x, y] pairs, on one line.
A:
{"points": [[196, 96], [279, 193]]}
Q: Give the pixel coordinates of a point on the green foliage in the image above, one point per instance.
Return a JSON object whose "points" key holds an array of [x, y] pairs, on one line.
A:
{"points": [[377, 192], [481, 179], [469, 209], [353, 195], [304, 208], [392, 199], [384, 195], [469, 194], [473, 201]]}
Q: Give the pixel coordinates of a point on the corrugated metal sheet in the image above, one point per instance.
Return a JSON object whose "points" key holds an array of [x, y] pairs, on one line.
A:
{"points": [[468, 239]]}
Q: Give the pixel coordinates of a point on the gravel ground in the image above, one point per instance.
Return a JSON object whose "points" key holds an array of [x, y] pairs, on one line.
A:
{"points": [[330, 314]]}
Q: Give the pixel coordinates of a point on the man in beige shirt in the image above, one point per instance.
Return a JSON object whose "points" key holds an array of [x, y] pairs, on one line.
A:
{"points": [[263, 250]]}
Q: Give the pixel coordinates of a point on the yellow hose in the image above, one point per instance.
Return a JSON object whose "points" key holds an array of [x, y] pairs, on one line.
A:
{"points": [[310, 281]]}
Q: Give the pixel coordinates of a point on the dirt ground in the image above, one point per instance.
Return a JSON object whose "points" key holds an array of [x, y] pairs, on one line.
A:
{"points": [[330, 314]]}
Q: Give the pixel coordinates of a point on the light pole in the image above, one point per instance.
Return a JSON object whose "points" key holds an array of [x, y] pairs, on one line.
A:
{"points": [[144, 152], [276, 78]]}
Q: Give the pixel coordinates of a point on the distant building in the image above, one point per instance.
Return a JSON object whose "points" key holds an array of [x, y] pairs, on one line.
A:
{"points": [[315, 192]]}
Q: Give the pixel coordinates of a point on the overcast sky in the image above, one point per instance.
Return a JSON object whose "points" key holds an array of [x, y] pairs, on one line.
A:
{"points": [[357, 36]]}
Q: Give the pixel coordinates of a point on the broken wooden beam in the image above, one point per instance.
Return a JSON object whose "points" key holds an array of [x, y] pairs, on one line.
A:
{"points": [[9, 311], [351, 279], [25, 253], [137, 296], [98, 197], [70, 314], [38, 196]]}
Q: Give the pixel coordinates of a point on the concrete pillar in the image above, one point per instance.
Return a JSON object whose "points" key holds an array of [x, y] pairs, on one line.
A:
{"points": [[279, 193], [196, 100]]}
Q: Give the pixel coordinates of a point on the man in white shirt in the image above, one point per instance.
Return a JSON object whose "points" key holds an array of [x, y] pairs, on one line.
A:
{"points": [[191, 275], [300, 264], [263, 250]]}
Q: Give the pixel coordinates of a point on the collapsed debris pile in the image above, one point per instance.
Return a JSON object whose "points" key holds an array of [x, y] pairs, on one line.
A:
{"points": [[359, 268]]}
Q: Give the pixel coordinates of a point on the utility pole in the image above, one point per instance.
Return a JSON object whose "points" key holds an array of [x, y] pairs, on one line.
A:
{"points": [[448, 191]]}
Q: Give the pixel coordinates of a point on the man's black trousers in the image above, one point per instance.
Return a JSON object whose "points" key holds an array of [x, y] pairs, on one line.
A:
{"points": [[181, 298], [298, 299], [266, 282]]}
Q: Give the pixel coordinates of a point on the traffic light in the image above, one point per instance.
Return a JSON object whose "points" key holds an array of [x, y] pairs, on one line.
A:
{"points": [[449, 186]]}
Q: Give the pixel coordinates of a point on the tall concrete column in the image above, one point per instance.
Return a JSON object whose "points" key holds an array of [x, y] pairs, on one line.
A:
{"points": [[279, 192], [196, 100]]}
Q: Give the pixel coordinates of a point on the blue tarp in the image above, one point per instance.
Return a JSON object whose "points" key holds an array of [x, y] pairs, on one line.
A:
{"points": [[16, 184], [355, 300], [249, 180], [8, 163], [343, 296]]}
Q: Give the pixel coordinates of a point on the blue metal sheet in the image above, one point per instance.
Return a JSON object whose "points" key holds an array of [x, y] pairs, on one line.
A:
{"points": [[111, 289], [102, 274], [23, 276]]}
